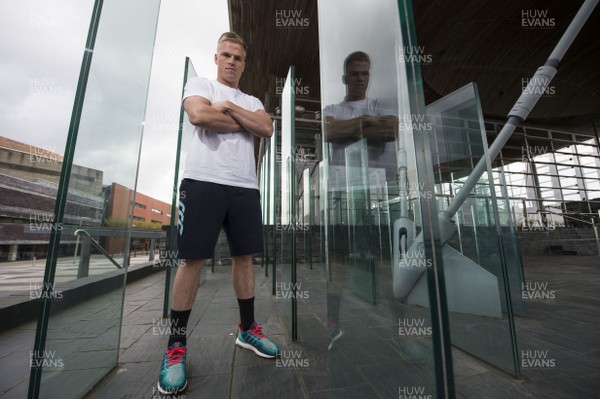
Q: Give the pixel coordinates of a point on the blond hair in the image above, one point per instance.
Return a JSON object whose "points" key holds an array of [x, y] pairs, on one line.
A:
{"points": [[232, 37], [356, 56]]}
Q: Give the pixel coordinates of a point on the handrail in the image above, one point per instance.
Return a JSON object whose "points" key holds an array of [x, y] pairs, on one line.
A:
{"points": [[584, 221], [567, 216], [98, 246]]}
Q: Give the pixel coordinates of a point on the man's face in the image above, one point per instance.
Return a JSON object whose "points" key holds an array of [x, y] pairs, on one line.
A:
{"points": [[231, 61], [357, 79]]}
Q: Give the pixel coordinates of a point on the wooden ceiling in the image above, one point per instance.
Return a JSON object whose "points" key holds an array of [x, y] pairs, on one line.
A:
{"points": [[273, 49], [469, 40]]}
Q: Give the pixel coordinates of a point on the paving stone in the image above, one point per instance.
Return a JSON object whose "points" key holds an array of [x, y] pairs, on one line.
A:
{"points": [[567, 328]]}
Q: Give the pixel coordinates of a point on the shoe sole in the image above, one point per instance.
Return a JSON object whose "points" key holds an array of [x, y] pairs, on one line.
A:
{"points": [[335, 339], [252, 348], [171, 392]]}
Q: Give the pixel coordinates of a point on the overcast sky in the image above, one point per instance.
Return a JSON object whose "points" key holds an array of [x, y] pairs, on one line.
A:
{"points": [[42, 44], [371, 27]]}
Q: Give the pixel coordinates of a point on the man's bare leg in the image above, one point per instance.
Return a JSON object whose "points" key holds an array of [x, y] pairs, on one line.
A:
{"points": [[172, 378], [243, 276], [183, 295], [185, 286]]}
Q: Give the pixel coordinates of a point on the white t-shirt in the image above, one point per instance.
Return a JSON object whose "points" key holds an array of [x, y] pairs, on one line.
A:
{"points": [[223, 158], [353, 109], [379, 156]]}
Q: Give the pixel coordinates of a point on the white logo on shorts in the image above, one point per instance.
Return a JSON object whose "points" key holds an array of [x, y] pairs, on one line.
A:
{"points": [[180, 221]]}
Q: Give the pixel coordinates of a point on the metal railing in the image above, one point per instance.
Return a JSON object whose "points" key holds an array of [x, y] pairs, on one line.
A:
{"points": [[84, 257], [88, 242], [591, 222]]}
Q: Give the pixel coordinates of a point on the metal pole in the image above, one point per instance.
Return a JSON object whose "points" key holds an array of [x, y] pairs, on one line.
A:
{"points": [[596, 234], [528, 99]]}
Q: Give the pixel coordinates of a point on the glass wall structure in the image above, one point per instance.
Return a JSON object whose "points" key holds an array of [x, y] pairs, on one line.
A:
{"points": [[286, 276], [184, 137], [396, 277], [372, 166], [552, 177], [81, 343], [393, 273], [479, 257]]}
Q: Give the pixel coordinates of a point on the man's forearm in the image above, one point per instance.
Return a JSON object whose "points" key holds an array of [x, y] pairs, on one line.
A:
{"points": [[208, 117], [385, 133], [222, 123], [257, 123], [337, 129], [363, 126]]}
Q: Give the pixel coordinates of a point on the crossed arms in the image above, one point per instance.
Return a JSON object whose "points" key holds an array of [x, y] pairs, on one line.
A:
{"points": [[225, 116], [372, 127]]}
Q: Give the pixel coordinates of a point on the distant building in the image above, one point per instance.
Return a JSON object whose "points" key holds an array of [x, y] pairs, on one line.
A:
{"points": [[148, 213], [29, 177]]}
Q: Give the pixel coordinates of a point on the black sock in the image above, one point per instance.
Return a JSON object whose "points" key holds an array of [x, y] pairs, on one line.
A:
{"points": [[246, 312], [178, 325]]}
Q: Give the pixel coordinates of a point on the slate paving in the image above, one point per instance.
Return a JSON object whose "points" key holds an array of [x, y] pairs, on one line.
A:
{"points": [[566, 327]]}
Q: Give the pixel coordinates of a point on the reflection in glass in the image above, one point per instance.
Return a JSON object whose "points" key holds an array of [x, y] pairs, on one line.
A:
{"points": [[273, 205], [378, 345], [100, 202], [285, 287], [476, 257], [185, 133]]}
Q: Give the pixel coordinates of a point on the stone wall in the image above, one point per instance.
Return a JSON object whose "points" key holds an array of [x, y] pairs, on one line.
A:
{"points": [[538, 242], [580, 240]]}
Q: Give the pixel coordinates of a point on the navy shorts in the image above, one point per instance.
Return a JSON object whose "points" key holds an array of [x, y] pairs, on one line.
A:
{"points": [[206, 207]]}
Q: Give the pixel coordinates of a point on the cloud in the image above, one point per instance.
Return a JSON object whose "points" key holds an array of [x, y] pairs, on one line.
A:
{"points": [[42, 47], [182, 31]]}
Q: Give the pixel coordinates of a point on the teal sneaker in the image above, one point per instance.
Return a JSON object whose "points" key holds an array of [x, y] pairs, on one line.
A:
{"points": [[255, 340], [333, 334], [172, 379]]}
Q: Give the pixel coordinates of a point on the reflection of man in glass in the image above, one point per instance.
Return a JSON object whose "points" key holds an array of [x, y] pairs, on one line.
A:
{"points": [[357, 117], [218, 189]]}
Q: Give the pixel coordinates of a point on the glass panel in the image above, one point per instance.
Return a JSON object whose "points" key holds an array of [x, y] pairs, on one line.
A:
{"points": [[287, 145], [510, 245], [323, 218], [275, 169], [307, 217], [184, 138], [82, 341], [368, 114], [475, 261], [306, 209], [363, 280], [263, 181], [285, 287]]}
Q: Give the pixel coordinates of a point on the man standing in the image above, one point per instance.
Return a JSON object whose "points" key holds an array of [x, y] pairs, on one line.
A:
{"points": [[361, 117], [219, 189], [357, 117]]}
